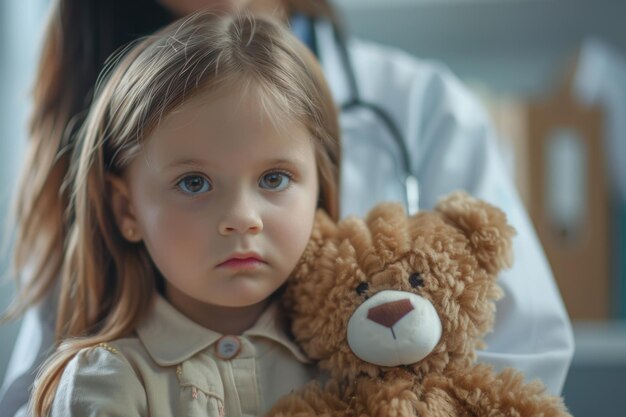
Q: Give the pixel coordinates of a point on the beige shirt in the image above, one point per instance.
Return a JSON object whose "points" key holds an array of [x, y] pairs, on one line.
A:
{"points": [[175, 367]]}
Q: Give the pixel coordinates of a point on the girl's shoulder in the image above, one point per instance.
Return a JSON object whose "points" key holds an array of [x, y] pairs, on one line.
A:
{"points": [[104, 378], [114, 353], [103, 358]]}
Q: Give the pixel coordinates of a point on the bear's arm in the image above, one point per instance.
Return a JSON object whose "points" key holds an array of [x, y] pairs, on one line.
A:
{"points": [[482, 392], [310, 401]]}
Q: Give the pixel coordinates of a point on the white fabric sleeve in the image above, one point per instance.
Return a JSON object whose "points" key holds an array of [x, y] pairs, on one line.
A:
{"points": [[458, 150], [33, 345], [99, 383]]}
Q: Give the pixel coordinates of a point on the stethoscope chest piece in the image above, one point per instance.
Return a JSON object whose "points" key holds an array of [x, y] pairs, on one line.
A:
{"points": [[412, 194]]}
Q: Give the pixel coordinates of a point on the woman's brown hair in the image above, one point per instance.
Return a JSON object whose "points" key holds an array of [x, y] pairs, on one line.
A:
{"points": [[79, 36]]}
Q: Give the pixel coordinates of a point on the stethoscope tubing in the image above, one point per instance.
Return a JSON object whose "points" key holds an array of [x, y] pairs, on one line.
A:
{"points": [[411, 183]]}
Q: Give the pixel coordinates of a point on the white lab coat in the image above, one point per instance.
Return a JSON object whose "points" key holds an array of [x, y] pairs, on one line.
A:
{"points": [[451, 146]]}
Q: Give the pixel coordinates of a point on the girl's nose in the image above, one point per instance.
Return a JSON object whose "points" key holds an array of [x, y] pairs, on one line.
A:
{"points": [[240, 218]]}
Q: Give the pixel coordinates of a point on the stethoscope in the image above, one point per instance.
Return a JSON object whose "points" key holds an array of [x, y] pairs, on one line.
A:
{"points": [[411, 185]]}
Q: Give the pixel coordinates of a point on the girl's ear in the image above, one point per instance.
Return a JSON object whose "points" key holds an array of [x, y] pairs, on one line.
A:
{"points": [[122, 208]]}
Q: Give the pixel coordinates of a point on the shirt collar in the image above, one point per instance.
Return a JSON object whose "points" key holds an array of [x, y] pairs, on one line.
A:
{"points": [[171, 338]]}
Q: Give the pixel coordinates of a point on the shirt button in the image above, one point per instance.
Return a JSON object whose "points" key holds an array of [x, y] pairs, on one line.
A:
{"points": [[228, 347]]}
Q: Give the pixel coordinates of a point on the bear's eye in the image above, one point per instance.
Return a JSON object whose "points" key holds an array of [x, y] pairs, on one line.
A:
{"points": [[362, 288], [416, 280]]}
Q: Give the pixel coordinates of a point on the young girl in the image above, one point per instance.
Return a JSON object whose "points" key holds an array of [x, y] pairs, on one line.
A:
{"points": [[194, 185]]}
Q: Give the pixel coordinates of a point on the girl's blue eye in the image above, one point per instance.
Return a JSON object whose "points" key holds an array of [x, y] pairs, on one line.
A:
{"points": [[275, 181], [194, 184]]}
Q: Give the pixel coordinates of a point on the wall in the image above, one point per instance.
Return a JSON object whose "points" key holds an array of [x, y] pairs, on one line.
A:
{"points": [[511, 45]]}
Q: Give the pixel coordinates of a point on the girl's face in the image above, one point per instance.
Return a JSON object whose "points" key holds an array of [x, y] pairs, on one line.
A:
{"points": [[223, 201]]}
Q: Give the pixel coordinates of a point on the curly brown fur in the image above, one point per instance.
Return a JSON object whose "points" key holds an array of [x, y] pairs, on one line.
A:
{"points": [[458, 250]]}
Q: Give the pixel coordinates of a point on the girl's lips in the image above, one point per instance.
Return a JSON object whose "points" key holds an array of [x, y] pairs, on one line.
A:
{"points": [[241, 263]]}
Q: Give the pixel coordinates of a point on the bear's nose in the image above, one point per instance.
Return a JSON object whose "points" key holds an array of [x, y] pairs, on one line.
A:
{"points": [[390, 313]]}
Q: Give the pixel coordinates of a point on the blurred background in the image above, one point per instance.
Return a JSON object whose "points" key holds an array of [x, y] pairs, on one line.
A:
{"points": [[21, 24], [553, 75]]}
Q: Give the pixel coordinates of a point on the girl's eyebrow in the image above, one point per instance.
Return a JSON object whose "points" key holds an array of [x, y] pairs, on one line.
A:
{"points": [[200, 162], [280, 161], [187, 162]]}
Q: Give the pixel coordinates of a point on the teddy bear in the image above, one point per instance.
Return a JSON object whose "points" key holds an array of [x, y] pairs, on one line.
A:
{"points": [[393, 307]]}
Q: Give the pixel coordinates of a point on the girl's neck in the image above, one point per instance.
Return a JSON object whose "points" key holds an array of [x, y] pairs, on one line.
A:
{"points": [[223, 320]]}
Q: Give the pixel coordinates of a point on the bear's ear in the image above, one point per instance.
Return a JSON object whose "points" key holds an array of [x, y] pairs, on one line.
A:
{"points": [[486, 227], [321, 246], [323, 227], [377, 239], [388, 225]]}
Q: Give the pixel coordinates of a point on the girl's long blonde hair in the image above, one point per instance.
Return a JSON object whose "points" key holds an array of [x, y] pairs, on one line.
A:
{"points": [[79, 36], [108, 284]]}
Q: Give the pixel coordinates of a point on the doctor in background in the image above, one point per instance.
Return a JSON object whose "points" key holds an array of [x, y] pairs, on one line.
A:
{"points": [[411, 132]]}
